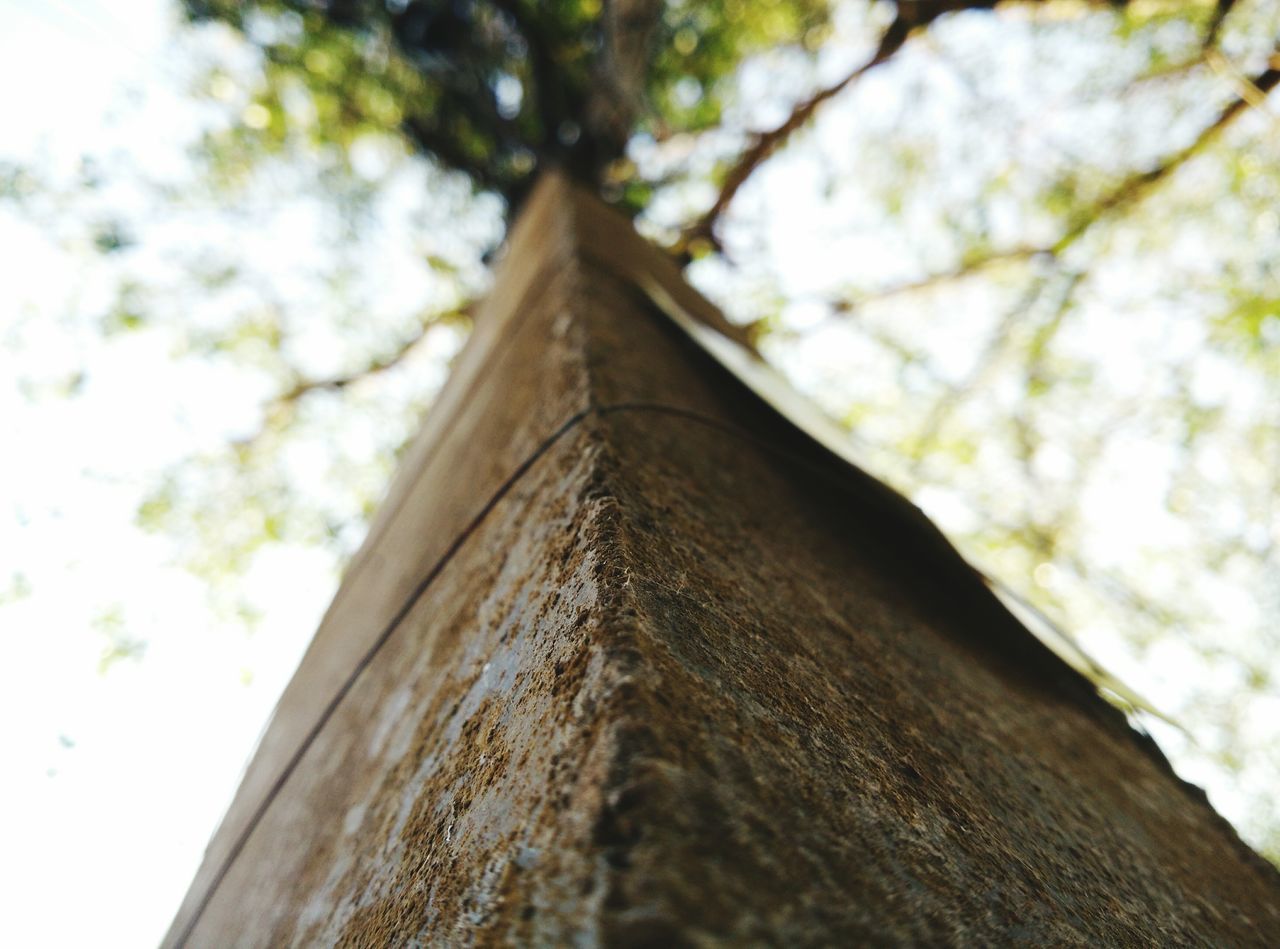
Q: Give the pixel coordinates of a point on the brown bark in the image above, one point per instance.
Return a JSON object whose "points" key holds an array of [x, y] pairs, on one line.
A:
{"points": [[629, 659]]}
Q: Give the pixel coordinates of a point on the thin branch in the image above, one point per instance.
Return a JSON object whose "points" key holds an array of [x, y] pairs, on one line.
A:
{"points": [[1138, 186], [766, 143], [304, 387], [1251, 93], [912, 15], [969, 268], [1164, 73], [1248, 89], [280, 409], [1220, 11]]}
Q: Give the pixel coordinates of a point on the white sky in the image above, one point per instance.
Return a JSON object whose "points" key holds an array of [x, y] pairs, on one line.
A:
{"points": [[113, 783]]}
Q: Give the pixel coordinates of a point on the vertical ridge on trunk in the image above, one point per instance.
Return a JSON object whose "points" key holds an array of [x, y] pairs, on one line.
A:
{"points": [[627, 659]]}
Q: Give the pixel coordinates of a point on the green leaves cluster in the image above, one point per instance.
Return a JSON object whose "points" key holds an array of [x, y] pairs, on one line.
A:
{"points": [[698, 46], [496, 88]]}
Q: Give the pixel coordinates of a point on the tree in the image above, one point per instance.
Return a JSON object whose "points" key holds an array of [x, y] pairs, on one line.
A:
{"points": [[984, 230], [630, 659], [1049, 251]]}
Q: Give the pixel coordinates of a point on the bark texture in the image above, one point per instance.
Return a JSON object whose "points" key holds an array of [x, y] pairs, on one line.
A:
{"points": [[629, 660]]}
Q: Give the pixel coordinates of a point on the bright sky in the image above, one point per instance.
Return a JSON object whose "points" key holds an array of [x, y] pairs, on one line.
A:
{"points": [[115, 781]]}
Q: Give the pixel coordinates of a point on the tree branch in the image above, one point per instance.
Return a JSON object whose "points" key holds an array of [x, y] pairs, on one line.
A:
{"points": [[1137, 186], [912, 15], [967, 269], [1132, 190], [304, 387], [766, 143], [1214, 30]]}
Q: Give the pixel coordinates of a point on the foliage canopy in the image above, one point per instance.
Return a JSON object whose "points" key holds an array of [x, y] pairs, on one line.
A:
{"points": [[1026, 252], [1137, 200]]}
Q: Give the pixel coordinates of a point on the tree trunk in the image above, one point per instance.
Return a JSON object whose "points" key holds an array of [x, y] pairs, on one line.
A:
{"points": [[629, 659]]}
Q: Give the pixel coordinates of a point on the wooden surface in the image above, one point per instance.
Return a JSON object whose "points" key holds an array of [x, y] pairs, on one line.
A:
{"points": [[627, 659]]}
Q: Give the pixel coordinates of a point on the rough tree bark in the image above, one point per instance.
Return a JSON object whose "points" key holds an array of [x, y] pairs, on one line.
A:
{"points": [[628, 659]]}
